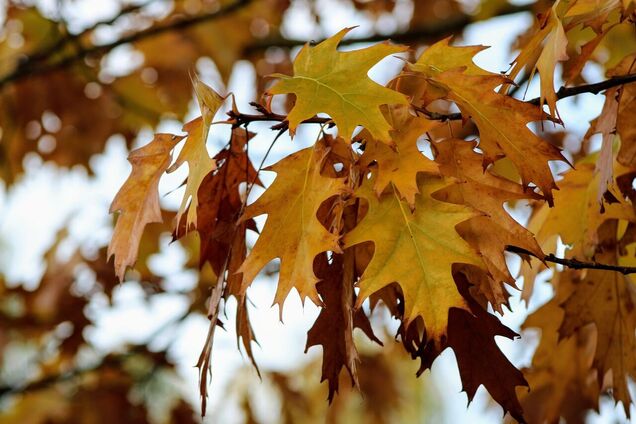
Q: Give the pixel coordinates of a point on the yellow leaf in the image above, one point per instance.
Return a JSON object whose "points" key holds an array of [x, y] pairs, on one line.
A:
{"points": [[336, 83], [195, 152], [553, 51], [138, 199], [293, 232], [400, 166], [416, 250], [576, 214]]}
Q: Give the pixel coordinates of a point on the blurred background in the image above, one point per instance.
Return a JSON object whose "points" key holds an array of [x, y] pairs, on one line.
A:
{"points": [[81, 84]]}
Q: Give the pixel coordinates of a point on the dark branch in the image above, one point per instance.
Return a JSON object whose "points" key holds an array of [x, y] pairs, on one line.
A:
{"points": [[266, 116], [575, 263], [595, 88]]}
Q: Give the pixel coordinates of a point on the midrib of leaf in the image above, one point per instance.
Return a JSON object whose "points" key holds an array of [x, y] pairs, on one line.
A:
{"points": [[417, 248]]}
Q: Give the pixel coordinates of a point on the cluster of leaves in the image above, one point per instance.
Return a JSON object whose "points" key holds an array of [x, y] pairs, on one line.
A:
{"points": [[425, 238], [361, 218]]}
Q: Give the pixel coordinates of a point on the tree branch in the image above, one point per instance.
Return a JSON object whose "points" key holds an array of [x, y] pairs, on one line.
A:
{"points": [[575, 263], [595, 88], [564, 92], [36, 63], [31, 68], [428, 33]]}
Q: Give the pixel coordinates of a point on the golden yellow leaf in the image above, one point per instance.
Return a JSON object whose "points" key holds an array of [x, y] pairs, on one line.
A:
{"points": [[292, 231], [400, 166], [336, 83], [138, 199], [195, 152], [416, 250], [577, 215]]}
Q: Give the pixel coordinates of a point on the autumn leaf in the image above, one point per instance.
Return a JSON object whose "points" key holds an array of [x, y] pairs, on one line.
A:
{"points": [[336, 83], [425, 239], [292, 231], [542, 51], [492, 233], [333, 329], [138, 199], [195, 152], [576, 215], [471, 335], [400, 165], [562, 382], [502, 120], [606, 125]]}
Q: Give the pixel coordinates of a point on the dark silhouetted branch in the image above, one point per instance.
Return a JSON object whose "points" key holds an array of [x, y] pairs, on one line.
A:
{"points": [[575, 263]]}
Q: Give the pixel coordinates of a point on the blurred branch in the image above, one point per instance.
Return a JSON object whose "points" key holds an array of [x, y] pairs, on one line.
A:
{"points": [[113, 360], [45, 54], [429, 33], [37, 63], [30, 68]]}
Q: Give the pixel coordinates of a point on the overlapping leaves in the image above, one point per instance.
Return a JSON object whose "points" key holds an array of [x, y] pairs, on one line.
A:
{"points": [[426, 236]]}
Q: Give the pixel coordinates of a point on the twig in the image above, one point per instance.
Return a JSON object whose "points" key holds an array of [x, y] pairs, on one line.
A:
{"points": [[575, 263], [595, 88]]}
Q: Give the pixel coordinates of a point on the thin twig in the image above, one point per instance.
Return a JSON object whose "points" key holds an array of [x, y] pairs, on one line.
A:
{"points": [[595, 88], [575, 263]]}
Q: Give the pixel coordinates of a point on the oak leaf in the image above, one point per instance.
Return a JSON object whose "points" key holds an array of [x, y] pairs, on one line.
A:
{"points": [[486, 192], [336, 83], [333, 329], [501, 120], [195, 152], [608, 300], [415, 249], [138, 199], [562, 382], [400, 165], [292, 231]]}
